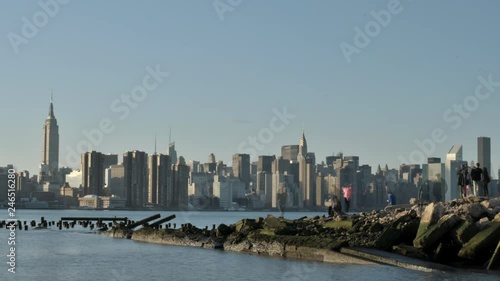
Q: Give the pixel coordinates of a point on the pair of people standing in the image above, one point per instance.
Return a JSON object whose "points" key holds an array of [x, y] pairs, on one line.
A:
{"points": [[480, 179]]}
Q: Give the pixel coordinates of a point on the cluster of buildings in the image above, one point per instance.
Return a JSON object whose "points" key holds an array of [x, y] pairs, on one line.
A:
{"points": [[294, 180]]}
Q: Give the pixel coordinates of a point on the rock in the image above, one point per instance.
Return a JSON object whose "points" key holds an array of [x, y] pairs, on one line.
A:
{"points": [[482, 245], [497, 217], [409, 251], [224, 230], [482, 223], [432, 213], [464, 231], [445, 253], [376, 227], [493, 203], [389, 238], [477, 211], [432, 235], [408, 231], [413, 201]]}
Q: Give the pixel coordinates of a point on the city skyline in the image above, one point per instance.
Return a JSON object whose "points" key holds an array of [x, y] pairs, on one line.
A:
{"points": [[219, 82], [171, 150]]}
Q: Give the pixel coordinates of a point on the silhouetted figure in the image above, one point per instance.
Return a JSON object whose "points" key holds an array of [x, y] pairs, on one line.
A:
{"points": [[337, 207], [476, 176], [463, 180], [485, 180]]}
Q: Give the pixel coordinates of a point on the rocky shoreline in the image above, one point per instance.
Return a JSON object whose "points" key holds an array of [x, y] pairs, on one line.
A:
{"points": [[463, 233]]}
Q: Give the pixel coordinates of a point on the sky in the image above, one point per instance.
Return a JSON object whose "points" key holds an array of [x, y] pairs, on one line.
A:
{"points": [[367, 78]]}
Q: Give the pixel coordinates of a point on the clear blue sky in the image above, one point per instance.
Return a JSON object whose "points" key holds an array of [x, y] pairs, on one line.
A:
{"points": [[226, 76]]}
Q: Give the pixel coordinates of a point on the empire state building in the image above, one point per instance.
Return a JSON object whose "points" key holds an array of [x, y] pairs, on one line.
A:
{"points": [[50, 149]]}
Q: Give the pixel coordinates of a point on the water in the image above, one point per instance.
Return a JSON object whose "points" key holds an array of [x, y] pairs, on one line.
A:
{"points": [[77, 254]]}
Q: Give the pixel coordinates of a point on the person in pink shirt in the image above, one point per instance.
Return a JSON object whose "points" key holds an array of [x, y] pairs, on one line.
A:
{"points": [[347, 190]]}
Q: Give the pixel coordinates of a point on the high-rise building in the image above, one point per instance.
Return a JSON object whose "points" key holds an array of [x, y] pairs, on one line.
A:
{"points": [[180, 184], [93, 167], [433, 172], [211, 158], [452, 165], [290, 152], [50, 148], [264, 187], [159, 179], [307, 170], [172, 152], [484, 152], [241, 167], [135, 164], [265, 163], [115, 176]]}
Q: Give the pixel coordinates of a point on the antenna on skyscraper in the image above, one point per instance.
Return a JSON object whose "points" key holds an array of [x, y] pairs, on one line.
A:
{"points": [[155, 143], [170, 135], [51, 95]]}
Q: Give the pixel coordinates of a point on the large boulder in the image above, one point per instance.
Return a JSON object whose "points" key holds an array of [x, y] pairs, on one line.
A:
{"points": [[388, 238], [481, 246], [432, 213], [464, 232], [432, 236], [477, 211]]}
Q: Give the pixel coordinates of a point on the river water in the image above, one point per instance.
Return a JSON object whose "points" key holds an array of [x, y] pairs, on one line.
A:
{"points": [[78, 254]]}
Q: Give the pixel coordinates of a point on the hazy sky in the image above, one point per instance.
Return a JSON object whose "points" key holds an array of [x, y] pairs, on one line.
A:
{"points": [[231, 69]]}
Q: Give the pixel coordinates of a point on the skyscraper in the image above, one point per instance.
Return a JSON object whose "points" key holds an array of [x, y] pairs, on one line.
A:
{"points": [[160, 179], [290, 152], [265, 163], [50, 148], [180, 183], [93, 166], [241, 167], [452, 165], [307, 177], [484, 152], [136, 178]]}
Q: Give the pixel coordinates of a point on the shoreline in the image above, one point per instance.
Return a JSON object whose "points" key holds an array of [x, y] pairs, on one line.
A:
{"points": [[397, 237]]}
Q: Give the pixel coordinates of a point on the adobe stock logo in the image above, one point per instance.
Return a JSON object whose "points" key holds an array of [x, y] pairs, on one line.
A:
{"points": [[372, 29], [223, 6], [30, 28]]}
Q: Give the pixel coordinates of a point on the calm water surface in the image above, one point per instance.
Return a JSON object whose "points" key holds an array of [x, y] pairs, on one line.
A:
{"points": [[77, 254]]}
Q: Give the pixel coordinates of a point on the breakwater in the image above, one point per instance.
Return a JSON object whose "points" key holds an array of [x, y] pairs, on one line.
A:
{"points": [[463, 233]]}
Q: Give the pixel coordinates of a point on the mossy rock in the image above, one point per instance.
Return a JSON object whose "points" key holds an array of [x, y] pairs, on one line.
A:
{"points": [[482, 245]]}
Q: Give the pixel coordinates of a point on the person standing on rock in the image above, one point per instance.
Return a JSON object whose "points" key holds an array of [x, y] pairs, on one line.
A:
{"points": [[347, 190], [463, 175], [485, 180], [391, 199], [476, 175]]}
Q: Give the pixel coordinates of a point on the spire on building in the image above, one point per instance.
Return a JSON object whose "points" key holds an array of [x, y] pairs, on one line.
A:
{"points": [[51, 108], [379, 170], [303, 144]]}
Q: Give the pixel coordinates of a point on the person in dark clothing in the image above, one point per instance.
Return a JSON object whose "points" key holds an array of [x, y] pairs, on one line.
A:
{"points": [[337, 207], [436, 190], [463, 180], [485, 180], [476, 175]]}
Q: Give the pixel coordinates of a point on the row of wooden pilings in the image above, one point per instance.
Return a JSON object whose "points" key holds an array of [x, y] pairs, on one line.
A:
{"points": [[94, 223]]}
